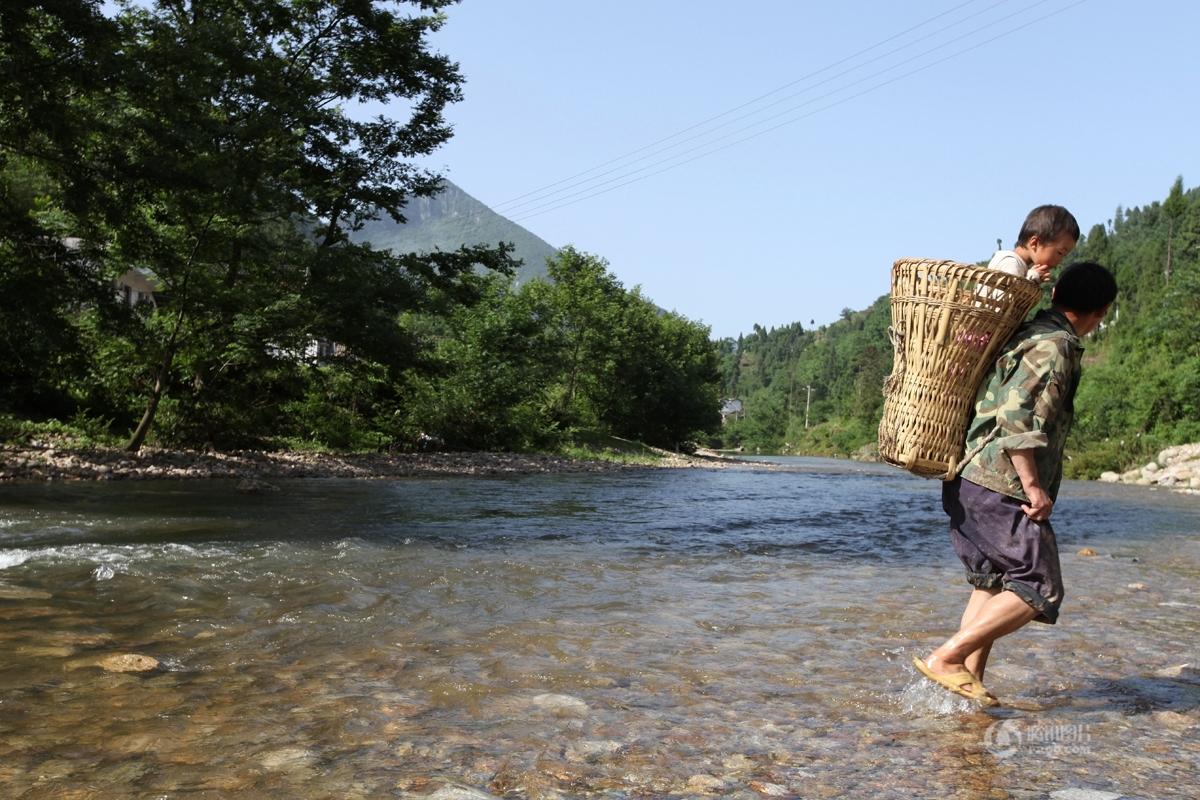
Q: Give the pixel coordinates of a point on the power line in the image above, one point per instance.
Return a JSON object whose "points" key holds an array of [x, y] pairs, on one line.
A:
{"points": [[550, 204], [545, 198], [751, 102], [557, 205]]}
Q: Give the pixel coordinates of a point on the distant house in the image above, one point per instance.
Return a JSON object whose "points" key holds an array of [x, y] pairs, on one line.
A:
{"points": [[133, 286], [137, 286], [323, 350], [732, 409]]}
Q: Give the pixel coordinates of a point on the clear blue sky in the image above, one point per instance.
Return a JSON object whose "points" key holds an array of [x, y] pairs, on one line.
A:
{"points": [[1092, 108]]}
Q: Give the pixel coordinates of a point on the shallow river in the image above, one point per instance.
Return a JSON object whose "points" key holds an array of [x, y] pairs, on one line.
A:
{"points": [[655, 633]]}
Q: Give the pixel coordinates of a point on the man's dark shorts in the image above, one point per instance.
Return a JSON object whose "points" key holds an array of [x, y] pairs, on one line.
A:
{"points": [[1001, 547]]}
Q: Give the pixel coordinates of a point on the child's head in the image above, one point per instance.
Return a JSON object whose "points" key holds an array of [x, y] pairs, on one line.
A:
{"points": [[1048, 235]]}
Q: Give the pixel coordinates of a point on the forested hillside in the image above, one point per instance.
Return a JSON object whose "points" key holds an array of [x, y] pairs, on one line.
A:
{"points": [[1141, 385]]}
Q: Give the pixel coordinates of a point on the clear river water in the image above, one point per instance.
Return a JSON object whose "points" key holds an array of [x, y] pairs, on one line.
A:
{"points": [[650, 633]]}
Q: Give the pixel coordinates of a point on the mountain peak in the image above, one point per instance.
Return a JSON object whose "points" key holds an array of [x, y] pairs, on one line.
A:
{"points": [[451, 219]]}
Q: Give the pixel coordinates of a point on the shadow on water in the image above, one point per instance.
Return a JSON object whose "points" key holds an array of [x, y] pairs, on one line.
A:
{"points": [[1143, 694]]}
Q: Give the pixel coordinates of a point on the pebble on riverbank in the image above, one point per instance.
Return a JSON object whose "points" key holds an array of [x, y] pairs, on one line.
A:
{"points": [[1175, 468], [44, 462]]}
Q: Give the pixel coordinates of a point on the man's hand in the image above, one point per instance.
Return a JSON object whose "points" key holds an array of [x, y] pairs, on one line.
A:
{"points": [[1040, 505]]}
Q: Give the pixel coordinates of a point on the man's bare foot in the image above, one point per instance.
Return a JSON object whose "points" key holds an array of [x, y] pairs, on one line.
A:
{"points": [[956, 678], [939, 667]]}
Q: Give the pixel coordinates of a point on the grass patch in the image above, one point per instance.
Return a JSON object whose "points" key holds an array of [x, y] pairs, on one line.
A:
{"points": [[596, 446], [80, 433]]}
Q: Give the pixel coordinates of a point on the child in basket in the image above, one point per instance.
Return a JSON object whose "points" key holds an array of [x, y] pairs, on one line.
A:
{"points": [[1048, 235]]}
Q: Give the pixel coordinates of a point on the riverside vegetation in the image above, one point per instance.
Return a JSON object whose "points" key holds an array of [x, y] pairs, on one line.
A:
{"points": [[213, 152]]}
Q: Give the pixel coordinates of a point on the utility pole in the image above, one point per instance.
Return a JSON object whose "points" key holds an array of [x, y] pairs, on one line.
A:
{"points": [[807, 403]]}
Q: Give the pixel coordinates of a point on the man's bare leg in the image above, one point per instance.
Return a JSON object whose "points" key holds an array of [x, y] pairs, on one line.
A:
{"points": [[998, 615], [977, 661]]}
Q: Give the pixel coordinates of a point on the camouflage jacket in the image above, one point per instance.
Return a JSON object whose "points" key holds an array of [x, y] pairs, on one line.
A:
{"points": [[1026, 402]]}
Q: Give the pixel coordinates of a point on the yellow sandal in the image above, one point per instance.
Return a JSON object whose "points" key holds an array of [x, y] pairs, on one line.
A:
{"points": [[953, 682]]}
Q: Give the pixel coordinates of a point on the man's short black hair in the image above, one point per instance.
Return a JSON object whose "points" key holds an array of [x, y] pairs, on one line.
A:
{"points": [[1048, 223], [1085, 287]]}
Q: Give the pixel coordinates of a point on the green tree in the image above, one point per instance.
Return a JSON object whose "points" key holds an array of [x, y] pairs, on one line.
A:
{"points": [[211, 144], [1174, 208]]}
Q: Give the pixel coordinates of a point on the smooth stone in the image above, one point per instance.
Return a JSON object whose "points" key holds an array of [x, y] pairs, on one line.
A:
{"points": [[1173, 720], [560, 704], [287, 757], [27, 612], [1083, 794], [128, 662], [1131, 475], [1109, 477], [1150, 468], [591, 749], [1137, 587], [1087, 551], [453, 792], [8, 592], [46, 651], [706, 784], [737, 762], [769, 789], [1181, 671]]}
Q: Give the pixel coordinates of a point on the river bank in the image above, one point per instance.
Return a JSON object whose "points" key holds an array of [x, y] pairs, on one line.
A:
{"points": [[46, 461], [1175, 468]]}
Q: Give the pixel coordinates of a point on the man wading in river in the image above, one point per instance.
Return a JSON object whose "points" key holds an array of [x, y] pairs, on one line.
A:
{"points": [[1000, 506]]}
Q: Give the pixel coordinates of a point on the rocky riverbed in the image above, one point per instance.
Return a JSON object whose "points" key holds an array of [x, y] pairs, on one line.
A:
{"points": [[1175, 468], [657, 633], [44, 461]]}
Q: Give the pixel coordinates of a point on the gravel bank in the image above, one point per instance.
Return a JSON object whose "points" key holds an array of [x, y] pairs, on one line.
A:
{"points": [[45, 462]]}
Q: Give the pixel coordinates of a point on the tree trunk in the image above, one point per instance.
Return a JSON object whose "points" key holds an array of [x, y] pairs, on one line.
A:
{"points": [[160, 385]]}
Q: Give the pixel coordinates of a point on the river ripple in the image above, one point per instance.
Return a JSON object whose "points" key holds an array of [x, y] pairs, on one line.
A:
{"points": [[677, 632]]}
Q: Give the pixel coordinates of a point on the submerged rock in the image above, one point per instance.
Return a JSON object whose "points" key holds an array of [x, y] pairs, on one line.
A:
{"points": [[1087, 551], [559, 704], [705, 784], [453, 792], [1083, 794], [769, 789], [592, 750], [255, 486], [287, 758], [9, 592], [128, 662]]}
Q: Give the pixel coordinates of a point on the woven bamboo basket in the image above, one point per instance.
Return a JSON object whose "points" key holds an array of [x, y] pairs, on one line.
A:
{"points": [[949, 320]]}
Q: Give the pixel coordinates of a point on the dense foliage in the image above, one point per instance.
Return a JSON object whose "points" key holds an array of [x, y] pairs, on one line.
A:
{"points": [[1141, 384], [210, 146]]}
